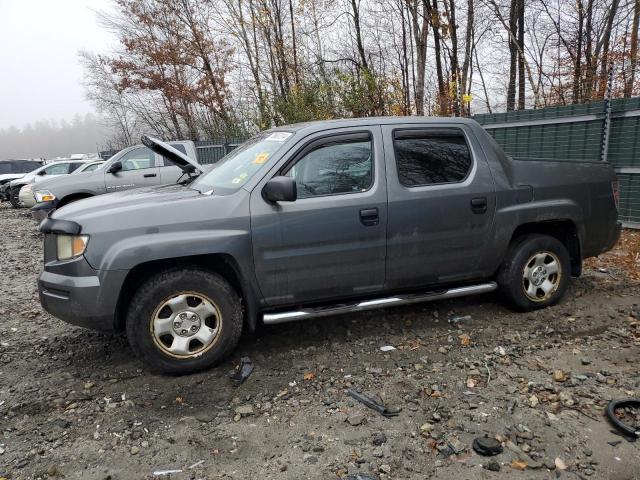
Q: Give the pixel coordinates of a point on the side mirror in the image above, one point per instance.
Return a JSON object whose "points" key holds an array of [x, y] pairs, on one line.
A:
{"points": [[116, 167], [280, 189], [42, 172]]}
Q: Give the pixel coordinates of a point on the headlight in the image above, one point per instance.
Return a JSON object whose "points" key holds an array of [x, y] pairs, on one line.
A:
{"points": [[71, 246], [44, 196]]}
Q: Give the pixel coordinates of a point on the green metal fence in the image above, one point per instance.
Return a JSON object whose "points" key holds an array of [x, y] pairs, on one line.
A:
{"points": [[210, 151], [571, 133], [576, 132]]}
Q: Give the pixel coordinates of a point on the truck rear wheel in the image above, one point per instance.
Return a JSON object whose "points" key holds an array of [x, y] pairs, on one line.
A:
{"points": [[184, 320], [535, 273]]}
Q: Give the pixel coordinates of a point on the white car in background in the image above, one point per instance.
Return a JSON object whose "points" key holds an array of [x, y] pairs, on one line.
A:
{"points": [[13, 169], [26, 197], [59, 167]]}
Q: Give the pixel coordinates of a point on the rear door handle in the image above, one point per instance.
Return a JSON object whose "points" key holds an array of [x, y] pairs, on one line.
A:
{"points": [[150, 175], [369, 217], [479, 204]]}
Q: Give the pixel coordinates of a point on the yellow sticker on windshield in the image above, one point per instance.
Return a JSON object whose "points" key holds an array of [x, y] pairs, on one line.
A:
{"points": [[236, 180], [261, 158], [243, 175]]}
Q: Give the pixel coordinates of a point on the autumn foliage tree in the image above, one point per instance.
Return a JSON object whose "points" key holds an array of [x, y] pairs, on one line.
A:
{"points": [[209, 68]]}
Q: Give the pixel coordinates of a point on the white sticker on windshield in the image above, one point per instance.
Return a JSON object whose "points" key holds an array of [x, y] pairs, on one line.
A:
{"points": [[279, 136]]}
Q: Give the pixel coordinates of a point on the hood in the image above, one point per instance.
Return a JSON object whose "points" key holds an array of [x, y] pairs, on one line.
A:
{"points": [[28, 178], [63, 180], [11, 176], [113, 204], [172, 154]]}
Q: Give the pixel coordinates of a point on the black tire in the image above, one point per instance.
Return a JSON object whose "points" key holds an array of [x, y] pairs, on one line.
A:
{"points": [[519, 286], [146, 305], [14, 197]]}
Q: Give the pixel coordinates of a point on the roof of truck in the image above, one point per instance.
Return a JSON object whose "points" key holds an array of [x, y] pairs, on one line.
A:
{"points": [[365, 121]]}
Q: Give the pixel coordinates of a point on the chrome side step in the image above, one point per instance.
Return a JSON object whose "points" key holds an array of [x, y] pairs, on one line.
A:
{"points": [[282, 317]]}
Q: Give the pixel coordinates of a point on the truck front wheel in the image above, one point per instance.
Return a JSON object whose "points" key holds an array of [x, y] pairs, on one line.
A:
{"points": [[14, 197], [184, 320], [535, 273]]}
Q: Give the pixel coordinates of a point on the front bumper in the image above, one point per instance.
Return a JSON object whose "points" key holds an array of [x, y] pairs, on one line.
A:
{"points": [[88, 300], [26, 199], [42, 210]]}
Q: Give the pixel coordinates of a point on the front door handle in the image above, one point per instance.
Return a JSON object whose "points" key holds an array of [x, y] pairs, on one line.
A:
{"points": [[150, 175], [479, 204], [369, 217]]}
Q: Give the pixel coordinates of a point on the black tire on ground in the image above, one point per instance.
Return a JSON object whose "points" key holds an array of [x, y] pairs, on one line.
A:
{"points": [[529, 261], [14, 194], [147, 304]]}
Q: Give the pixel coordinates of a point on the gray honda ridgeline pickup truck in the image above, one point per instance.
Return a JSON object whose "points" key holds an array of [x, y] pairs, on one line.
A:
{"points": [[318, 219]]}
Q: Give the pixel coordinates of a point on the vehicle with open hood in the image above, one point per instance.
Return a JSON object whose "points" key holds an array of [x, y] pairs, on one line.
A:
{"points": [[133, 167], [319, 219]]}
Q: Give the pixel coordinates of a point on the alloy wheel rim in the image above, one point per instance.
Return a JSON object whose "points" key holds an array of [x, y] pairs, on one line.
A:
{"points": [[185, 325], [541, 276]]}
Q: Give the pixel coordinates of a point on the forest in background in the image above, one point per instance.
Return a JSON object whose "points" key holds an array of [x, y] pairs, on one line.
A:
{"points": [[201, 69], [50, 139], [212, 68]]}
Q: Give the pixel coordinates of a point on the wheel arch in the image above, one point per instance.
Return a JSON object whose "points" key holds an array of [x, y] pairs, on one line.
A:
{"points": [[73, 197], [564, 230], [223, 264]]}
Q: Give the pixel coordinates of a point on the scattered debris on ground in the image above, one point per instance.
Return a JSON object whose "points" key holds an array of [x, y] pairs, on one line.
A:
{"points": [[373, 404], [242, 371], [625, 416]]}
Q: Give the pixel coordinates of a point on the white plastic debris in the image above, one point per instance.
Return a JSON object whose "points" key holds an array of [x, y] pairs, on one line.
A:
{"points": [[387, 348], [159, 473]]}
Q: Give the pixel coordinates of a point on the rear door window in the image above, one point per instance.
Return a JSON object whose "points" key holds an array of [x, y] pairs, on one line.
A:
{"points": [[431, 156]]}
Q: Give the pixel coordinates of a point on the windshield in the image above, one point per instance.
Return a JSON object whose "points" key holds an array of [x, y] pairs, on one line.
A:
{"points": [[236, 168]]}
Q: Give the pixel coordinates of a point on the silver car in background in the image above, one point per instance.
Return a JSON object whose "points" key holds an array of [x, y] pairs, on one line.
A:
{"points": [[54, 169], [26, 197], [134, 167]]}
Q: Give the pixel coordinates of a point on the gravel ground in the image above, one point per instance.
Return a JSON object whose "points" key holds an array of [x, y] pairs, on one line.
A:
{"points": [[76, 404]]}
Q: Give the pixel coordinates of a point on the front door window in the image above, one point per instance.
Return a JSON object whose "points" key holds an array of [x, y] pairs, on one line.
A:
{"points": [[333, 169]]}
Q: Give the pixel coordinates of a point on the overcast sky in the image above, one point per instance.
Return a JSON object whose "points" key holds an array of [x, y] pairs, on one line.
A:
{"points": [[40, 76]]}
